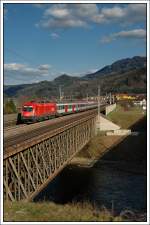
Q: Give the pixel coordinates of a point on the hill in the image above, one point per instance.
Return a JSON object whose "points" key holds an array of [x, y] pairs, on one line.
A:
{"points": [[120, 66], [126, 75]]}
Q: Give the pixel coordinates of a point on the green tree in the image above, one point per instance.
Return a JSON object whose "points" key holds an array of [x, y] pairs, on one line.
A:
{"points": [[9, 107]]}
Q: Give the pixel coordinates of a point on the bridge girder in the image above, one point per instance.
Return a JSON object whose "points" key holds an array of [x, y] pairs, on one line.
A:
{"points": [[28, 171]]}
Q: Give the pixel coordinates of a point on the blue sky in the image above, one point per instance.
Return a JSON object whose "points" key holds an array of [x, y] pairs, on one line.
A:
{"points": [[42, 41]]}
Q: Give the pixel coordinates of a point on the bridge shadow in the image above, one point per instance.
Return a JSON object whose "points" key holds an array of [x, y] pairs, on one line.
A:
{"points": [[119, 176], [133, 148]]}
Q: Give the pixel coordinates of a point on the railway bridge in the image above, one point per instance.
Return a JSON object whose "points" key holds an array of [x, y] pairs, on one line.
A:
{"points": [[35, 154]]}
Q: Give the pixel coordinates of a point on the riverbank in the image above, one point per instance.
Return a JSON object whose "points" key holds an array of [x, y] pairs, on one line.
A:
{"points": [[134, 119], [51, 212]]}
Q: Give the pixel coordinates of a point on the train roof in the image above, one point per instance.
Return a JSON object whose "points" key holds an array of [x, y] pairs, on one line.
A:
{"points": [[76, 103], [38, 102], [58, 104]]}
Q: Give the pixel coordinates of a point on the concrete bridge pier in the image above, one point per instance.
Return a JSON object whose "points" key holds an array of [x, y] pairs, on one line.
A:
{"points": [[103, 124], [110, 108]]}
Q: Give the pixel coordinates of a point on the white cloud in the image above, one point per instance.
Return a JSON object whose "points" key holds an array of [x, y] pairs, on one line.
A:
{"points": [[62, 23], [14, 66], [115, 12], [67, 15], [129, 14], [44, 67], [137, 33], [81, 15], [85, 10], [54, 35], [42, 70], [57, 12], [132, 34], [22, 73], [15, 73]]}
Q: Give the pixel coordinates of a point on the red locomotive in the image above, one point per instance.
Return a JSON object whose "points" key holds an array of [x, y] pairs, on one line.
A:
{"points": [[36, 111]]}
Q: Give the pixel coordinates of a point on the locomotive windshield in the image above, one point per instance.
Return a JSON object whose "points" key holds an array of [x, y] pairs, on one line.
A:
{"points": [[27, 108]]}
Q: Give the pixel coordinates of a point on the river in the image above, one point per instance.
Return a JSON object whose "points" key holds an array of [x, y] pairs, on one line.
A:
{"points": [[116, 180], [102, 185]]}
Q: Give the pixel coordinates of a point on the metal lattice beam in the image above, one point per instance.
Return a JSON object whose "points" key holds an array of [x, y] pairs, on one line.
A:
{"points": [[27, 171]]}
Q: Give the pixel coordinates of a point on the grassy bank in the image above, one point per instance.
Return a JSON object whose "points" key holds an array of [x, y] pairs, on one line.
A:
{"points": [[48, 211], [101, 143], [126, 117]]}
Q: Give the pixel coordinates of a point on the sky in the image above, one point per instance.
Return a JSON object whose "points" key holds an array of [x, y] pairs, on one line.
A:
{"points": [[43, 41]]}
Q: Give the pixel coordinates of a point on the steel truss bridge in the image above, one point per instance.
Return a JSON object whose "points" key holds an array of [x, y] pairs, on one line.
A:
{"points": [[31, 165]]}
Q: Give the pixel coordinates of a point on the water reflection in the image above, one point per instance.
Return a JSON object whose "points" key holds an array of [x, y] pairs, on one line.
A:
{"points": [[101, 185]]}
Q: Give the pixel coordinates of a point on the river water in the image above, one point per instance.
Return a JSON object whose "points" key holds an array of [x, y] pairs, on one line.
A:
{"points": [[102, 185], [117, 180]]}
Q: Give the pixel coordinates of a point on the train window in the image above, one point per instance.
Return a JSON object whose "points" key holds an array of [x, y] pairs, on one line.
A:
{"points": [[27, 108], [61, 107]]}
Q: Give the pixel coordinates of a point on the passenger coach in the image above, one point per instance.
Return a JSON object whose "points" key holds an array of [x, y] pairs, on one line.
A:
{"points": [[37, 111]]}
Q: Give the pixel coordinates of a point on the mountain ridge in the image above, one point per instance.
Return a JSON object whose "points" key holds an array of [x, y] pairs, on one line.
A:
{"points": [[126, 75], [121, 65]]}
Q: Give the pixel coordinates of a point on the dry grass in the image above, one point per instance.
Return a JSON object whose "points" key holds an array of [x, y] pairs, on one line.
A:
{"points": [[48, 211], [101, 144], [126, 118], [98, 146]]}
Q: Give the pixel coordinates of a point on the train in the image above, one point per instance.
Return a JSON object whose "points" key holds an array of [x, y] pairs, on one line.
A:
{"points": [[34, 111]]}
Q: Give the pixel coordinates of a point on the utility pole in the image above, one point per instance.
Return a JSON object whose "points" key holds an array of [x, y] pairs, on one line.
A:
{"points": [[99, 103], [106, 98], [113, 99], [60, 92], [87, 97], [110, 98]]}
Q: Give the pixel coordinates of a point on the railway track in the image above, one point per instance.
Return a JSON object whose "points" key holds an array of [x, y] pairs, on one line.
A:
{"points": [[22, 133], [10, 120], [10, 128]]}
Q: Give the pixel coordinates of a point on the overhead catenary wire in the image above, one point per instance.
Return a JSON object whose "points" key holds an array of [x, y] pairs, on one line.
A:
{"points": [[26, 61], [21, 56], [99, 103]]}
